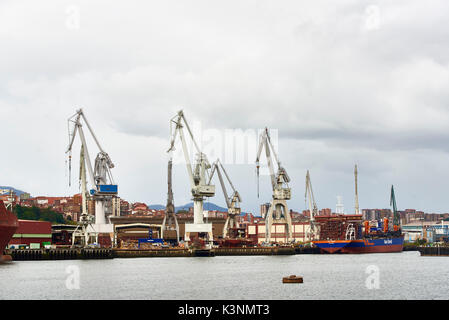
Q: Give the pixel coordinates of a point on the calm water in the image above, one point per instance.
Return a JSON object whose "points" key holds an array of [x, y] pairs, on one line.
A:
{"points": [[404, 275]]}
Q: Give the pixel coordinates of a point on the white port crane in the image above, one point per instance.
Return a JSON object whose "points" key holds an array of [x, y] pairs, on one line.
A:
{"points": [[200, 188], [313, 209], [103, 187], [232, 202], [278, 212]]}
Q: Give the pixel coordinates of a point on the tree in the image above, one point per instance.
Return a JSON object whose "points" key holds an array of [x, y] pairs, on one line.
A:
{"points": [[420, 242], [35, 213]]}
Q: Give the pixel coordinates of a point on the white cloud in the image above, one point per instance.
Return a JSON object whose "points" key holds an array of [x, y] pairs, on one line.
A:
{"points": [[343, 82]]}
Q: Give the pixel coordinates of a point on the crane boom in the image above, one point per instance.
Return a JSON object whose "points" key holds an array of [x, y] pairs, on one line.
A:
{"points": [[309, 194], [180, 122], [91, 131], [223, 187], [313, 209], [265, 142], [101, 173], [86, 154], [218, 166], [232, 202]]}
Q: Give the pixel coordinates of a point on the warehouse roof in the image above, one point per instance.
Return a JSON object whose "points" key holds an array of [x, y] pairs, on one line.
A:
{"points": [[34, 227]]}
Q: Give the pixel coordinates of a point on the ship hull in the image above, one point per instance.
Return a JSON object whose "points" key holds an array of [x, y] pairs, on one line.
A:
{"points": [[8, 226], [331, 246], [377, 245]]}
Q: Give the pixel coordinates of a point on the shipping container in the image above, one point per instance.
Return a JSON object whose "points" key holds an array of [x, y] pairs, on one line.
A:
{"points": [[35, 245]]}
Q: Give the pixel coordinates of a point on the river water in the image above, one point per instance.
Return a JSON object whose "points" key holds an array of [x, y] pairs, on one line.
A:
{"points": [[405, 275]]}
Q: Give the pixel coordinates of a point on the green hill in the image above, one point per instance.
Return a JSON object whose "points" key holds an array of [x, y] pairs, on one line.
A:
{"points": [[35, 213]]}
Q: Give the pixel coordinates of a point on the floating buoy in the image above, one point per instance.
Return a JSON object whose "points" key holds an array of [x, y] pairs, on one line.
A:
{"points": [[292, 279]]}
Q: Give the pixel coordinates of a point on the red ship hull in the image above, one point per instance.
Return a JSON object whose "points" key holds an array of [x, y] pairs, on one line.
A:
{"points": [[8, 226], [376, 249], [375, 245]]}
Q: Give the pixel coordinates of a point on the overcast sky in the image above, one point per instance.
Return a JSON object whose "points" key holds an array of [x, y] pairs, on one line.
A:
{"points": [[339, 82]]}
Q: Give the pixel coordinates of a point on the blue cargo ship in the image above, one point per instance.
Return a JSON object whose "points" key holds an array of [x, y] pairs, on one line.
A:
{"points": [[365, 245]]}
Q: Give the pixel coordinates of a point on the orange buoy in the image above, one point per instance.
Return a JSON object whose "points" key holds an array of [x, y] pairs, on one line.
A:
{"points": [[292, 279]]}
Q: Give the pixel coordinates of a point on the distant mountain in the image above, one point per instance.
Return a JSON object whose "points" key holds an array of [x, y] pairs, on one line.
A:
{"points": [[17, 191], [156, 207], [207, 206]]}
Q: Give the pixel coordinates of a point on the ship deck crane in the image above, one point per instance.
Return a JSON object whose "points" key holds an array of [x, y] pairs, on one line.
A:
{"points": [[103, 187], [278, 211], [313, 209], [232, 202], [197, 176]]}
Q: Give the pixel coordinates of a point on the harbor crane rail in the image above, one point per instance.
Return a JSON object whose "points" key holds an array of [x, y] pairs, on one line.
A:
{"points": [[232, 202], [278, 212]]}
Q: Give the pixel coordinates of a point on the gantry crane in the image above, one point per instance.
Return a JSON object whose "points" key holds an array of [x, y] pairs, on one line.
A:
{"points": [[278, 211], [313, 209], [170, 222], [197, 177], [103, 189], [232, 202]]}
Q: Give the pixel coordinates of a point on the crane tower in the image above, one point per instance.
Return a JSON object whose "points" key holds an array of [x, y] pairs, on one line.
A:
{"points": [[278, 211], [103, 188], [199, 187]]}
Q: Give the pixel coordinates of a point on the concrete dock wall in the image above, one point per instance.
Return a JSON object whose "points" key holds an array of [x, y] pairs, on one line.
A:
{"points": [[254, 251], [58, 254], [97, 253], [123, 253], [434, 251]]}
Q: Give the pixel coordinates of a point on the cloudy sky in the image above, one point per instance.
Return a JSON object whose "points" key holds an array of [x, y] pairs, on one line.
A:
{"points": [[339, 82]]}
